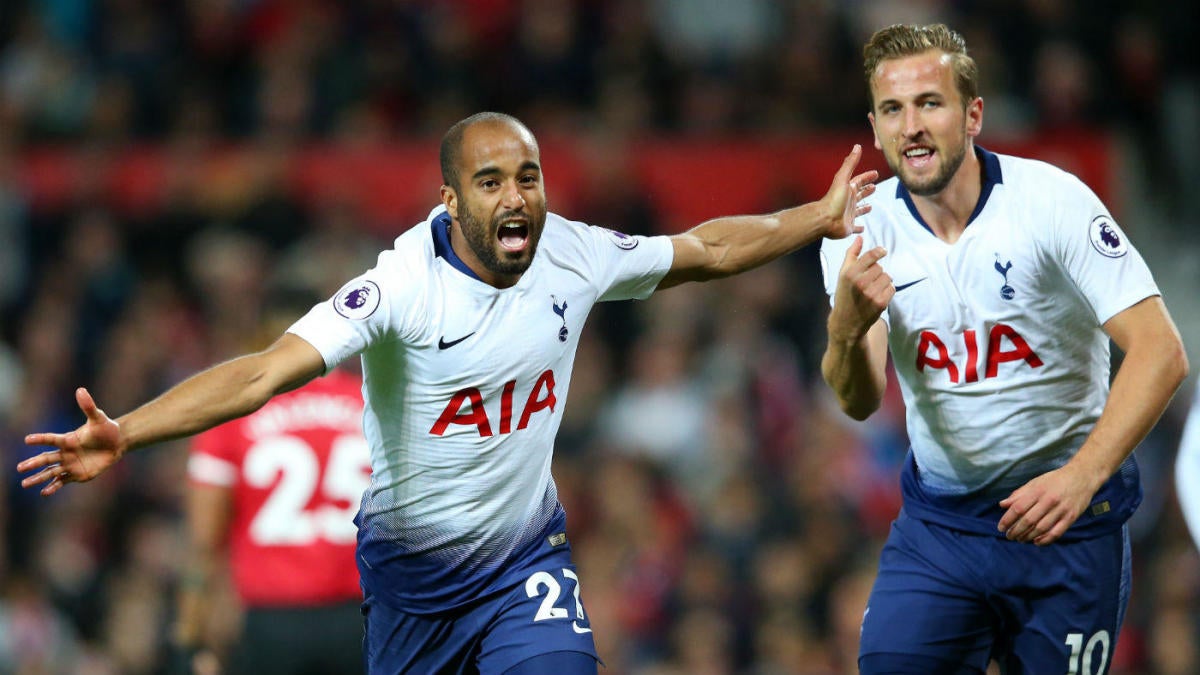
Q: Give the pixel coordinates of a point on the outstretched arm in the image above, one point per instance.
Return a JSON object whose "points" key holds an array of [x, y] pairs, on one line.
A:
{"points": [[855, 360], [223, 392], [1154, 366], [726, 246]]}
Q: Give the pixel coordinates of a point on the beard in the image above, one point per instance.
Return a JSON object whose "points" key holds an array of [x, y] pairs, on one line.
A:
{"points": [[480, 238], [939, 180]]}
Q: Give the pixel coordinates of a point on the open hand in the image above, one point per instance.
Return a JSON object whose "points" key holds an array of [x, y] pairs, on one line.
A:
{"points": [[80, 455], [845, 195]]}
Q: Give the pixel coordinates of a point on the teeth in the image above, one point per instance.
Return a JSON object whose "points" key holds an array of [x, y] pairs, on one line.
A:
{"points": [[917, 152]]}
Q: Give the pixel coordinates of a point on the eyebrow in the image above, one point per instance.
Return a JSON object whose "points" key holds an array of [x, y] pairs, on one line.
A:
{"points": [[494, 170], [918, 97]]}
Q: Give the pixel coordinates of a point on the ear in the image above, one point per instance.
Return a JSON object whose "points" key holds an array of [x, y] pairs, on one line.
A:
{"points": [[975, 117], [450, 199], [874, 131]]}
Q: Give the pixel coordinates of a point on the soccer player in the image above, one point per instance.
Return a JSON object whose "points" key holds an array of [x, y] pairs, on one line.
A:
{"points": [[1187, 469], [276, 492], [467, 330], [1003, 281]]}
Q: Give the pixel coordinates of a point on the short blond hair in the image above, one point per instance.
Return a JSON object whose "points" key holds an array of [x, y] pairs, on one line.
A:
{"points": [[900, 40]]}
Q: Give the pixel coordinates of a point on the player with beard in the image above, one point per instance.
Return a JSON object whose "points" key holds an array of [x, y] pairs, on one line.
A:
{"points": [[467, 330], [1003, 281]]}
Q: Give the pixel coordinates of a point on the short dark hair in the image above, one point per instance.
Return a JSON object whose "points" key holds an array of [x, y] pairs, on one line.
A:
{"points": [[451, 151], [900, 40]]}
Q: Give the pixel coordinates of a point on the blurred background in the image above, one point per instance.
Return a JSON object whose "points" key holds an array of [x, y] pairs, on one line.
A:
{"points": [[164, 163]]}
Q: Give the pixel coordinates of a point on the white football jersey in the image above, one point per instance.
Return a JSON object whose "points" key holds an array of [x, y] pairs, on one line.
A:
{"points": [[1187, 468], [997, 339], [464, 387]]}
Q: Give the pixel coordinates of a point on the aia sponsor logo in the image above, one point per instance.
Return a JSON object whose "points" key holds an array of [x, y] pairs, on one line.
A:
{"points": [[1004, 345], [467, 407]]}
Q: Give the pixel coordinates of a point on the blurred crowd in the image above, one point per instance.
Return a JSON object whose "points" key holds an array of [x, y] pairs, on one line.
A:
{"points": [[725, 515]]}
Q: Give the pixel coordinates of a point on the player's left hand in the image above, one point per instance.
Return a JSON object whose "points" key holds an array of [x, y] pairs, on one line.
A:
{"points": [[843, 201], [1041, 510]]}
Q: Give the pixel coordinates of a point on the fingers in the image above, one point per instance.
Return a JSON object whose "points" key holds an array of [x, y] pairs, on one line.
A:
{"points": [[53, 473], [1038, 523], [1012, 512], [866, 181], [1021, 524], [1054, 534], [860, 187], [879, 288], [859, 191], [853, 251], [56, 440], [48, 476], [43, 460], [88, 405], [849, 163], [862, 271], [52, 487], [873, 256]]}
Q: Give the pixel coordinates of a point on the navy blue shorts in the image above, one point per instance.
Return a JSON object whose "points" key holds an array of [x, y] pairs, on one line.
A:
{"points": [[960, 599], [542, 615]]}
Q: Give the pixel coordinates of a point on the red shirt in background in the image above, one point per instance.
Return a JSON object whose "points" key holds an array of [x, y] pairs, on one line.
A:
{"points": [[297, 469]]}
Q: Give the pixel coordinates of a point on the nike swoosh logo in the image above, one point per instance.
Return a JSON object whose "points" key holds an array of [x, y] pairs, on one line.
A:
{"points": [[577, 629], [442, 344], [904, 286]]}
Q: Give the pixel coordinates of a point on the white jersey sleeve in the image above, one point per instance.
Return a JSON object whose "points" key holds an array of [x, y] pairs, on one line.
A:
{"points": [[1187, 469], [383, 303], [1097, 255], [620, 266]]}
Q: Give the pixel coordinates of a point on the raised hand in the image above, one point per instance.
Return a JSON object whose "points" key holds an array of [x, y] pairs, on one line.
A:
{"points": [[80, 455], [845, 195], [864, 291]]}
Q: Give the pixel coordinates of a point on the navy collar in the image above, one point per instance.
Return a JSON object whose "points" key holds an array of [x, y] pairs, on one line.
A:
{"points": [[443, 249], [990, 167]]}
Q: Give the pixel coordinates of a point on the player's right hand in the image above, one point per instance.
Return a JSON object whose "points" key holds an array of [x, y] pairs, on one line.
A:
{"points": [[863, 292], [80, 455]]}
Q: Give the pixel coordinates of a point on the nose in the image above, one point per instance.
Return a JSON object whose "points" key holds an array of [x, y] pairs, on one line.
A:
{"points": [[912, 122], [512, 199]]}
